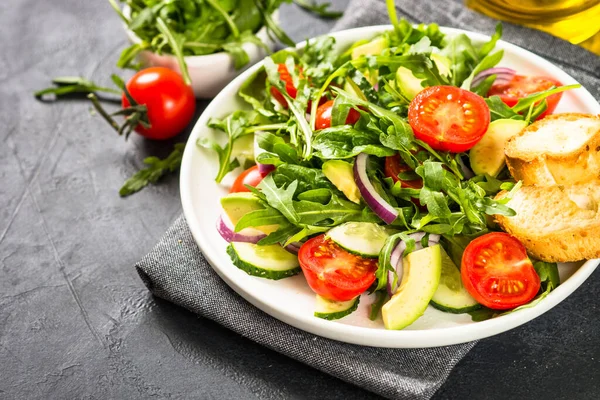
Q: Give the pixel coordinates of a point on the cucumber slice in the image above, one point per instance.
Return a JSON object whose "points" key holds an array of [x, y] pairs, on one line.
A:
{"points": [[271, 262], [451, 296], [363, 238], [487, 156], [420, 279], [330, 309]]}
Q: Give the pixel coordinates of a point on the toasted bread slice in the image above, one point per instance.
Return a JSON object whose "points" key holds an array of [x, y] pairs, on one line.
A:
{"points": [[556, 223], [561, 149]]}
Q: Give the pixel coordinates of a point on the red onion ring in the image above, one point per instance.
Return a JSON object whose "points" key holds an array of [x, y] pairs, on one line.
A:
{"points": [[227, 232], [265, 169], [293, 247], [382, 208], [503, 75]]}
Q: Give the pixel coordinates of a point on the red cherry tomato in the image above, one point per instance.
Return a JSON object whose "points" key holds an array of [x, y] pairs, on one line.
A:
{"points": [[170, 102], [285, 76], [522, 86], [394, 166], [323, 119], [250, 177], [496, 271], [448, 118], [334, 273]]}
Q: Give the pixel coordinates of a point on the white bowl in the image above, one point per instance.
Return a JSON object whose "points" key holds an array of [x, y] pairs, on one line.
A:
{"points": [[291, 300], [209, 73]]}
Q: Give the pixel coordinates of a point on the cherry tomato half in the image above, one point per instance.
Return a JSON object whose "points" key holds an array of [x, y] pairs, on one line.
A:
{"points": [[496, 271], [334, 273], [250, 177], [170, 102], [448, 118], [522, 86], [323, 119], [291, 90], [394, 166]]}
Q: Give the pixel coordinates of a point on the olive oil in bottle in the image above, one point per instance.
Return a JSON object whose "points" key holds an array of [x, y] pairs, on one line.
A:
{"points": [[577, 21]]}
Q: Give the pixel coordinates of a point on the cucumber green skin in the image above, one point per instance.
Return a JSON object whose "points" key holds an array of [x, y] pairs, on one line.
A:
{"points": [[357, 253], [462, 310], [260, 272], [339, 314]]}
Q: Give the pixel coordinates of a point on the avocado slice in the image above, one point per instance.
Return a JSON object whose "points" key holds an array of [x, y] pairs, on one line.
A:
{"points": [[408, 84], [487, 156], [340, 173], [442, 63], [420, 279], [374, 47], [236, 205]]}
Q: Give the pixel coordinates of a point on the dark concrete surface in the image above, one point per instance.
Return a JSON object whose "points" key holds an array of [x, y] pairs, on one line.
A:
{"points": [[75, 320]]}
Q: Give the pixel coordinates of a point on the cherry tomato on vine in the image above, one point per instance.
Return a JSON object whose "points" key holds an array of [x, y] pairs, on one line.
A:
{"points": [[170, 102], [496, 271], [334, 273], [522, 86], [323, 119], [448, 118], [250, 177]]}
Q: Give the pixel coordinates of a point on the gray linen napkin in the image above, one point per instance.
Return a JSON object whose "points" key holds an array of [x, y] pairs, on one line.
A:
{"points": [[175, 269]]}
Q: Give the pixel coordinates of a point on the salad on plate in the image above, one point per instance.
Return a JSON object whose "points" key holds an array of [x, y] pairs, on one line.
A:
{"points": [[381, 170]]}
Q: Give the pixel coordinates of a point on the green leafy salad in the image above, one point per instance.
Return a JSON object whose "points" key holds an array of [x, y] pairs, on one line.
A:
{"points": [[378, 169], [201, 27]]}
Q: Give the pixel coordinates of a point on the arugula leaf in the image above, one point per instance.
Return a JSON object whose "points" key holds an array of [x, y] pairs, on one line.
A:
{"points": [[155, 170], [548, 273], [526, 102], [320, 195], [234, 125], [280, 198], [340, 142], [280, 236], [499, 109], [466, 60], [306, 178], [381, 299], [74, 84], [384, 266], [268, 216]]}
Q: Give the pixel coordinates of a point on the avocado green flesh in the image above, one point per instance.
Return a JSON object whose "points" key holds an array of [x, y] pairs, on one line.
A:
{"points": [[442, 63], [340, 173], [374, 47], [408, 84], [420, 279], [487, 156], [236, 205]]}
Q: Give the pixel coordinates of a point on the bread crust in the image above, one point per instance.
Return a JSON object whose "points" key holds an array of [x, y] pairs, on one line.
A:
{"points": [[544, 169], [574, 242]]}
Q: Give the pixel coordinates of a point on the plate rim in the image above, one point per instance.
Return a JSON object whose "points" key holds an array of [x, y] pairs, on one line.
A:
{"points": [[363, 335]]}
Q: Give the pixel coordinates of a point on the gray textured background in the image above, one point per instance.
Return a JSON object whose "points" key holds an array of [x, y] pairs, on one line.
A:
{"points": [[76, 321]]}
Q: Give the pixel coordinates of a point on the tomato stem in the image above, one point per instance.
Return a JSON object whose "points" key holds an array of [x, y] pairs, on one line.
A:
{"points": [[103, 112]]}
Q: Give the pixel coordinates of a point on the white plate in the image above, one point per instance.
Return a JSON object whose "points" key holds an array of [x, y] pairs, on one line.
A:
{"points": [[290, 300]]}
